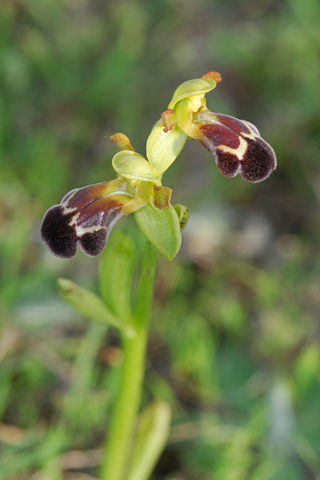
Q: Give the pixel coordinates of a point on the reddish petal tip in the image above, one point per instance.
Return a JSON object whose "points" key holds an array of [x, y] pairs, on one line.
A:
{"points": [[213, 76]]}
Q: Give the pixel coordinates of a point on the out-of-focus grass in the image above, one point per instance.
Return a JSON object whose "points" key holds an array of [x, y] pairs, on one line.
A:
{"points": [[235, 338]]}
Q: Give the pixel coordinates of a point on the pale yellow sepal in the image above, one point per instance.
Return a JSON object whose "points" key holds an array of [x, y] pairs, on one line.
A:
{"points": [[164, 147], [132, 166], [190, 88]]}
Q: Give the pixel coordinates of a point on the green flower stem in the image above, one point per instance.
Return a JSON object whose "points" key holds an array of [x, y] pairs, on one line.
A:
{"points": [[120, 434]]}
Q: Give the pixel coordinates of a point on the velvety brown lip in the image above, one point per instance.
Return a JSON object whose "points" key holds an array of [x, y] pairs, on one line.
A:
{"points": [[82, 218], [254, 162]]}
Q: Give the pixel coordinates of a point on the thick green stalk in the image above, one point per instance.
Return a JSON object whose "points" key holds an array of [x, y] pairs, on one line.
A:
{"points": [[119, 438]]}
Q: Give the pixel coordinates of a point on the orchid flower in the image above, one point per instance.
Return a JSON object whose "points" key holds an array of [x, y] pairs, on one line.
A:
{"points": [[235, 144], [86, 215]]}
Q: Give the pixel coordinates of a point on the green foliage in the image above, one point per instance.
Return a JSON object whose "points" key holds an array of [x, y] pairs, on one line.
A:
{"points": [[87, 303], [116, 274], [161, 227], [151, 437]]}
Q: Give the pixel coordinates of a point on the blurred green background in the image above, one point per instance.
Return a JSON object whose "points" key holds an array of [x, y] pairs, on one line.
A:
{"points": [[234, 345]]}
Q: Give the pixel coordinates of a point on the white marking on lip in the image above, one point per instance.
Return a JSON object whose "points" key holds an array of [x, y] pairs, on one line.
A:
{"points": [[74, 219], [239, 151], [254, 132], [67, 210], [119, 193], [80, 231]]}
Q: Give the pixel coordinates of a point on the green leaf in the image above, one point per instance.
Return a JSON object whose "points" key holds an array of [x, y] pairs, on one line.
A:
{"points": [[88, 304], [116, 270], [150, 441], [161, 227], [190, 88], [133, 166], [164, 147]]}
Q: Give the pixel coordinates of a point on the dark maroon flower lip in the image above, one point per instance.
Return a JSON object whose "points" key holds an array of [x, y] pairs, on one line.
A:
{"points": [[85, 216], [237, 146]]}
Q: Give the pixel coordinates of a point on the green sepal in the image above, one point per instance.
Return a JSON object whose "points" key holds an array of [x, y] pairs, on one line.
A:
{"points": [[116, 270], [183, 213], [190, 88], [164, 147], [88, 304], [161, 227], [151, 438], [132, 166]]}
